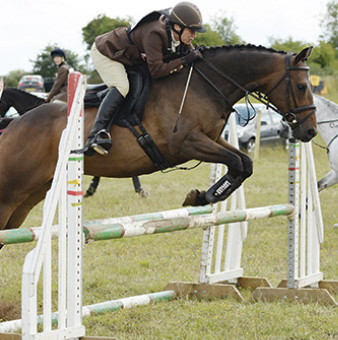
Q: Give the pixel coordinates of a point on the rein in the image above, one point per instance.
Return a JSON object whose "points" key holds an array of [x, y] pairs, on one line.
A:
{"points": [[290, 117]]}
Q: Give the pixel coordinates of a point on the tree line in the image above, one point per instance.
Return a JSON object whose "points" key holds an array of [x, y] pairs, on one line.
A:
{"points": [[221, 31]]}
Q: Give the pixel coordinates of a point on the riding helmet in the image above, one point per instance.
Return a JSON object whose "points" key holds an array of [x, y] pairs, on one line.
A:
{"points": [[186, 14], [58, 53]]}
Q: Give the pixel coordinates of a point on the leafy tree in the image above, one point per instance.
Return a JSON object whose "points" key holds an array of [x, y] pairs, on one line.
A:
{"points": [[287, 45], [329, 23], [45, 66], [324, 55], [322, 60], [100, 25], [13, 78], [209, 38], [226, 29], [220, 32]]}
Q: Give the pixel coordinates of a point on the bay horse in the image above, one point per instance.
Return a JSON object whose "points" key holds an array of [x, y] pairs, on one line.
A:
{"points": [[29, 146], [24, 101]]}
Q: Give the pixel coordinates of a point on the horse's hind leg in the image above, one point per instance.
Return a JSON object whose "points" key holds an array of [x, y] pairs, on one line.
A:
{"points": [[21, 212]]}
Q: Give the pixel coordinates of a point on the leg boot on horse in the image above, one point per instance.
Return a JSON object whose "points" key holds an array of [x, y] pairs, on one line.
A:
{"points": [[99, 138]]}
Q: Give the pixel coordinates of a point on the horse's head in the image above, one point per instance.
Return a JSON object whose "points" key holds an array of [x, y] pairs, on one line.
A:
{"points": [[291, 94]]}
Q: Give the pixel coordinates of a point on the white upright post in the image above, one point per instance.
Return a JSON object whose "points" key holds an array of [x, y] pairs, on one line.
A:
{"points": [[66, 191], [225, 265]]}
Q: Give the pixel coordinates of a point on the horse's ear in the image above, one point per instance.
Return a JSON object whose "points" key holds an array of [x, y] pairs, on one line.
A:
{"points": [[304, 55]]}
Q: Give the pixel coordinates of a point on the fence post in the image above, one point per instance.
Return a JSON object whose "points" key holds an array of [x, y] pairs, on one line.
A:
{"points": [[70, 261]]}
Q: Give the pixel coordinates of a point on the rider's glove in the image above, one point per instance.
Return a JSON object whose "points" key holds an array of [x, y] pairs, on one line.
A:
{"points": [[191, 57]]}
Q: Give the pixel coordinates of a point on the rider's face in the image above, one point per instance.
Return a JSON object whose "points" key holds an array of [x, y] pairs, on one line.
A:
{"points": [[57, 60], [187, 36]]}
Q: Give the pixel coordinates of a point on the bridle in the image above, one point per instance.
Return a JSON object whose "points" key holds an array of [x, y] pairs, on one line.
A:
{"points": [[291, 115]]}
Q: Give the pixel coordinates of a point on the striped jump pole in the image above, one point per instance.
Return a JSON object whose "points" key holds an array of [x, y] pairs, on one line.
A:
{"points": [[99, 308], [156, 223], [33, 234], [98, 232]]}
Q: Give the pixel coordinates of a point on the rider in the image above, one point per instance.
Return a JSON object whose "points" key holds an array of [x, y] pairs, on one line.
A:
{"points": [[161, 39], [59, 90]]}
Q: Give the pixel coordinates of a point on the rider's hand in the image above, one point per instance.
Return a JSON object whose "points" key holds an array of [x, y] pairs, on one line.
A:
{"points": [[191, 57]]}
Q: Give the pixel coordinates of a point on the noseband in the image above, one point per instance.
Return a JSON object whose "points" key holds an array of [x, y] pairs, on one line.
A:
{"points": [[290, 117]]}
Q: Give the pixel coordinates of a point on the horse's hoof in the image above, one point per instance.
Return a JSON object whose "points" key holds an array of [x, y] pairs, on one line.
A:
{"points": [[195, 198], [144, 194]]}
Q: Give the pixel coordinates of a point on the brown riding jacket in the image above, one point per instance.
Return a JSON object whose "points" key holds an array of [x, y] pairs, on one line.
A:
{"points": [[60, 88], [150, 38]]}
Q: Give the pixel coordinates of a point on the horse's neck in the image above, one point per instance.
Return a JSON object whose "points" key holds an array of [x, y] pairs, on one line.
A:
{"points": [[250, 69], [21, 101], [326, 112]]}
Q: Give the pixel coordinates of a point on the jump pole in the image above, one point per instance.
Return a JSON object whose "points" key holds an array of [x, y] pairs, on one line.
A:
{"points": [[33, 234], [96, 309]]}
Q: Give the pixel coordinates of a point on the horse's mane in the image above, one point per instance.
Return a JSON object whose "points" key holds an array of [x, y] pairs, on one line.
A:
{"points": [[249, 47]]}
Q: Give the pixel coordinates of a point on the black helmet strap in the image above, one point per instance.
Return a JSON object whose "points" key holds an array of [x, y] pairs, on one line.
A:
{"points": [[179, 32]]}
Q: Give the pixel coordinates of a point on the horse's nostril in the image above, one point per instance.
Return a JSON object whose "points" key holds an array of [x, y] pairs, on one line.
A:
{"points": [[312, 132]]}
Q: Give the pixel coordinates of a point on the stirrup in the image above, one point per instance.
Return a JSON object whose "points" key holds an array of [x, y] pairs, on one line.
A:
{"points": [[102, 142]]}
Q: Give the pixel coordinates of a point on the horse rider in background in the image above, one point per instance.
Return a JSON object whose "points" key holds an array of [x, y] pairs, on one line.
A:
{"points": [[59, 90], [162, 39]]}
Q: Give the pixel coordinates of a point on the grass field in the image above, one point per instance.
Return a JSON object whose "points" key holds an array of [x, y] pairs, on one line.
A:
{"points": [[134, 266]]}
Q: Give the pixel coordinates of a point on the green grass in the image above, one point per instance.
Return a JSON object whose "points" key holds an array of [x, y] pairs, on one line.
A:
{"points": [[134, 266]]}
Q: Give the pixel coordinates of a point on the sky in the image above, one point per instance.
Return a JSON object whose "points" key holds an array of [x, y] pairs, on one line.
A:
{"points": [[28, 26]]}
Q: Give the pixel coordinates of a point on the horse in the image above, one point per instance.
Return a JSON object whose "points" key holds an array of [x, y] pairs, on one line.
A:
{"points": [[24, 101], [327, 116], [29, 146]]}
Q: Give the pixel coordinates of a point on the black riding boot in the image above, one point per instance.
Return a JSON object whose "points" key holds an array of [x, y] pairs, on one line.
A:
{"points": [[99, 138]]}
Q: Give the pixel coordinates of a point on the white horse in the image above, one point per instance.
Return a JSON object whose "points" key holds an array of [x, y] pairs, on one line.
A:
{"points": [[327, 122]]}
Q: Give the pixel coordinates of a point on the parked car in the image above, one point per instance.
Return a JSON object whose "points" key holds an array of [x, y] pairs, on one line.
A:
{"points": [[270, 125], [32, 83]]}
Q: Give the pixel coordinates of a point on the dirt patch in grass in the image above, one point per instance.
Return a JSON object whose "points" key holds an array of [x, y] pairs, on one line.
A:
{"points": [[9, 311]]}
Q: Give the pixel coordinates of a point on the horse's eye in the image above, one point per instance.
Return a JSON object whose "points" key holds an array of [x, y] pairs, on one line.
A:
{"points": [[301, 88]]}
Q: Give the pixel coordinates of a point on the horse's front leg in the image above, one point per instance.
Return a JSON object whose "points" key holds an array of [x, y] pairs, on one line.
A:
{"points": [[328, 180], [239, 168]]}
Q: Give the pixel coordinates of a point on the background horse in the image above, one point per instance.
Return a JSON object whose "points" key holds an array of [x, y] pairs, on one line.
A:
{"points": [[327, 115], [24, 101], [224, 76]]}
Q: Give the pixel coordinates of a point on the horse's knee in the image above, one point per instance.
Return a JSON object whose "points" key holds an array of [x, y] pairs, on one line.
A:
{"points": [[235, 166], [247, 167]]}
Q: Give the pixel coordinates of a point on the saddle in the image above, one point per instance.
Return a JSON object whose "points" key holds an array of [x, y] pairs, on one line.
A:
{"points": [[133, 106], [131, 111]]}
